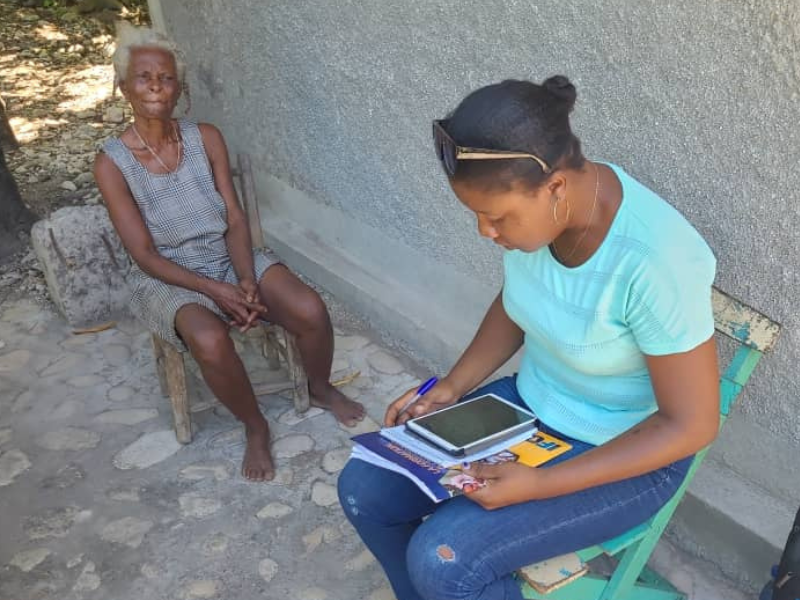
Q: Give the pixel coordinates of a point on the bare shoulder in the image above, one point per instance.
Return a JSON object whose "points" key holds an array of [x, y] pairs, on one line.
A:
{"points": [[111, 181], [214, 144], [104, 166], [211, 134]]}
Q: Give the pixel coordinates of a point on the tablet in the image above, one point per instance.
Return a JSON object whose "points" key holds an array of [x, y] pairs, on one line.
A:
{"points": [[473, 425]]}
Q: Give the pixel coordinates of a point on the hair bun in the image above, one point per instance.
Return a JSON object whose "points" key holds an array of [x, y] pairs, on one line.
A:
{"points": [[562, 88]]}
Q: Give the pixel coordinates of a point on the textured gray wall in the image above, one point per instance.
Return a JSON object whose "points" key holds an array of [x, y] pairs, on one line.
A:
{"points": [[696, 99]]}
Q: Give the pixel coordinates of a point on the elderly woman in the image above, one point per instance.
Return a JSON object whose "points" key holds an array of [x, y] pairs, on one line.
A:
{"points": [[167, 184]]}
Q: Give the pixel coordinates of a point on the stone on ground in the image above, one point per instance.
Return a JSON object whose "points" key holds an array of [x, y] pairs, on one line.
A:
{"points": [[197, 506], [360, 562], [84, 264], [69, 438], [323, 494], [14, 361], [267, 568], [274, 510], [292, 445], [203, 588], [12, 463], [385, 363], [128, 531], [148, 450], [129, 416], [29, 559], [52, 523], [88, 580], [334, 461]]}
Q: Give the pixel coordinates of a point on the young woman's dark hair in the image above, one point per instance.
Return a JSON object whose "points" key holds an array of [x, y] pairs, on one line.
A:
{"points": [[519, 116]]}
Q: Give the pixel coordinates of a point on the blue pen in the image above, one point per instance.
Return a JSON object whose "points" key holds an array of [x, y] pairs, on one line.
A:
{"points": [[423, 389]]}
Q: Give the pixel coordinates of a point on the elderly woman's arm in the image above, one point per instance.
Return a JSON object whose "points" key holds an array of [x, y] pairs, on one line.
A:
{"points": [[127, 220]]}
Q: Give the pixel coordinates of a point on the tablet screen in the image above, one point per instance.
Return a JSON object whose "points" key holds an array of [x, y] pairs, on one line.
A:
{"points": [[474, 420]]}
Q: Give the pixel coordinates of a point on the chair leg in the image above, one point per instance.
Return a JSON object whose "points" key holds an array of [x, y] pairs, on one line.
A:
{"points": [[158, 353], [269, 348], [175, 371], [302, 399], [630, 566]]}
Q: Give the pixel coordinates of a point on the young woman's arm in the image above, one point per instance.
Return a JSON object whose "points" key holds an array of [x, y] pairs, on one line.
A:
{"points": [[686, 387], [496, 340]]}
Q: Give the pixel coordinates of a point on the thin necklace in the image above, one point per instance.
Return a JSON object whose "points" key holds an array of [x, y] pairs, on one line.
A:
{"points": [[589, 222], [155, 154]]}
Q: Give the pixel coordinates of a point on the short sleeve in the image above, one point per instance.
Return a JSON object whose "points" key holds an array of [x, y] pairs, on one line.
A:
{"points": [[669, 302]]}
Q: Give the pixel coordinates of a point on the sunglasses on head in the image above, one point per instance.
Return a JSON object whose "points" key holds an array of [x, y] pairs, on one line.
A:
{"points": [[450, 153]]}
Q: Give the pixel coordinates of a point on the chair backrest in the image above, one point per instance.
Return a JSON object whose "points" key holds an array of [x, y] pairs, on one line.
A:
{"points": [[755, 335], [247, 196]]}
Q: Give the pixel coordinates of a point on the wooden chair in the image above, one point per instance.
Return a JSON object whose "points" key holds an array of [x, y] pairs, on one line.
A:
{"points": [[568, 577], [278, 346]]}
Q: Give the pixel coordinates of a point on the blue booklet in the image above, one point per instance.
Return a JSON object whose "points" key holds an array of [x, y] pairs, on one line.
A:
{"points": [[439, 476], [376, 449]]}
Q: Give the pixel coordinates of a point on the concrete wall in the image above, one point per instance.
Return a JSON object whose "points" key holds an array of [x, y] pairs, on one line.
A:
{"points": [[334, 101]]}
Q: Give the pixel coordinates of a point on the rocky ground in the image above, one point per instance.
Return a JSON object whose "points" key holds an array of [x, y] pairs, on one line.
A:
{"points": [[100, 501], [57, 81]]}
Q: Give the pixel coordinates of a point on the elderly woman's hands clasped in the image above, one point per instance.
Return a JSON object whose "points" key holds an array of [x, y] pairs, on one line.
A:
{"points": [[242, 302]]}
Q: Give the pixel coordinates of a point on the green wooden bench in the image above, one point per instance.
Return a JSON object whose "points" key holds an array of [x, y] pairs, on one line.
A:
{"points": [[569, 577]]}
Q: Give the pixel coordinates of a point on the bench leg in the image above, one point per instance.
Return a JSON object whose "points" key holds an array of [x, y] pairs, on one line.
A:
{"points": [[301, 396], [175, 375]]}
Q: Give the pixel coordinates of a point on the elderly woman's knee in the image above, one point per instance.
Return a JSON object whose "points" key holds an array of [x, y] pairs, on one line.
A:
{"points": [[308, 310], [208, 343]]}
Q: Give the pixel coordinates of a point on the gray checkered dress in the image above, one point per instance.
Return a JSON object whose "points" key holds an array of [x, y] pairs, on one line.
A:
{"points": [[187, 219]]}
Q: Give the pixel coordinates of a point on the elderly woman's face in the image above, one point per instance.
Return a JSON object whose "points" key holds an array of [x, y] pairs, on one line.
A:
{"points": [[151, 84]]}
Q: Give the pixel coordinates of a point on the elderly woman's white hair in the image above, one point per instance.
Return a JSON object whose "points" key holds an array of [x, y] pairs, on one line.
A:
{"points": [[130, 37]]}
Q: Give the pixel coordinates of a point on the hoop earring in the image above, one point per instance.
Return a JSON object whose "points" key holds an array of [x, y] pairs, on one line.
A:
{"points": [[555, 211]]}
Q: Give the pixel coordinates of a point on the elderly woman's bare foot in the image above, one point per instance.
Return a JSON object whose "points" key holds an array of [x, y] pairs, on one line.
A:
{"points": [[257, 462], [347, 412]]}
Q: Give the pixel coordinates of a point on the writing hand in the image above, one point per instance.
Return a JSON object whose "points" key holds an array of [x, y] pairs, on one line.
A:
{"points": [[440, 396]]}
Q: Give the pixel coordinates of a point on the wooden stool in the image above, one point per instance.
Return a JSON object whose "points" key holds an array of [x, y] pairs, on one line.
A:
{"points": [[278, 346]]}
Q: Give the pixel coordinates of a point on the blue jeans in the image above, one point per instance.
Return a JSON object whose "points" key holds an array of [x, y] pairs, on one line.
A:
{"points": [[462, 551]]}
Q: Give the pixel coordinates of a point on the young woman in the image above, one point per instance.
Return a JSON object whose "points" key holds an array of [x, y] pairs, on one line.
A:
{"points": [[608, 288]]}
